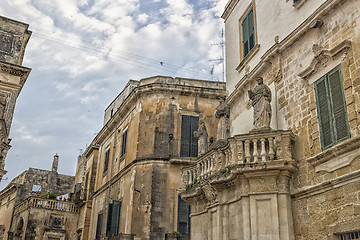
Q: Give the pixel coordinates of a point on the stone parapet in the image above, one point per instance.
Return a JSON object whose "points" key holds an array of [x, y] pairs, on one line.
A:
{"points": [[50, 204], [263, 148]]}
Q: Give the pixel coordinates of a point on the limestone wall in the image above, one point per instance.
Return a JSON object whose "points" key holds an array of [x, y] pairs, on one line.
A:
{"points": [[299, 57]]}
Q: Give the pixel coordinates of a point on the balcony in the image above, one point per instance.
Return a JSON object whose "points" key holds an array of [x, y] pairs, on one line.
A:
{"points": [[44, 203], [257, 150]]}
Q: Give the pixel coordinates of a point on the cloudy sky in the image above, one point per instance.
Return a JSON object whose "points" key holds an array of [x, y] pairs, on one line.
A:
{"points": [[83, 52]]}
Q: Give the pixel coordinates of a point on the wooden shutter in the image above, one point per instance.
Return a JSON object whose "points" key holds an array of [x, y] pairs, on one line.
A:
{"points": [[109, 220], [251, 29], [245, 35], [341, 128], [183, 222], [98, 226], [123, 145], [323, 106], [115, 223], [194, 125], [106, 164], [185, 136], [189, 144]]}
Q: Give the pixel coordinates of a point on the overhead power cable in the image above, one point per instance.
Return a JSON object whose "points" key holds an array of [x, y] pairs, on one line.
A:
{"points": [[135, 60]]}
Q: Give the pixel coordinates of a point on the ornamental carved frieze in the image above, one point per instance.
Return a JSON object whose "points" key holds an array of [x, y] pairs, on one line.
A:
{"points": [[322, 57], [14, 71]]}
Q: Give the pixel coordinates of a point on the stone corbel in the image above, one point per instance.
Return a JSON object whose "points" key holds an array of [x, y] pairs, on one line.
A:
{"points": [[323, 56]]}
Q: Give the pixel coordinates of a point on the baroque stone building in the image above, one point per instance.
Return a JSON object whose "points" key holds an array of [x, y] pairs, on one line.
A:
{"points": [[14, 37], [26, 214], [298, 176], [130, 174]]}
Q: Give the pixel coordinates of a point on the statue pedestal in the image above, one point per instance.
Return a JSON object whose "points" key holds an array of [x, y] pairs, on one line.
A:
{"points": [[261, 130]]}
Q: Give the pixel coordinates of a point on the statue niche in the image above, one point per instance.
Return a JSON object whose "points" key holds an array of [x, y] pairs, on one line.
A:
{"points": [[261, 98], [202, 136]]}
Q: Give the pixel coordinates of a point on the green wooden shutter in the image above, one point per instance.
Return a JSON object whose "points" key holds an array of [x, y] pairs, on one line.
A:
{"points": [[245, 35], [98, 226], [109, 220], [183, 218], [323, 106], [341, 128], [115, 223], [251, 29], [185, 136], [189, 144]]}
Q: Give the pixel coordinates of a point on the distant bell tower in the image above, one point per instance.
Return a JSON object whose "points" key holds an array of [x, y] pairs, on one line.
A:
{"points": [[55, 163], [14, 37]]}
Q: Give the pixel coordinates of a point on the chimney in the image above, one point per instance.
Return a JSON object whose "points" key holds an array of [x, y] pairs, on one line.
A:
{"points": [[55, 163]]}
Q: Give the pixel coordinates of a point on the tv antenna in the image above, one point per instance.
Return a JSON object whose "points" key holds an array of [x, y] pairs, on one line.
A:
{"points": [[221, 58]]}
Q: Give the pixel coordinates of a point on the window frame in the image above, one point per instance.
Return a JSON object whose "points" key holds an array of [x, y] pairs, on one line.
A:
{"points": [[192, 145], [124, 142], [330, 109], [241, 19], [107, 159]]}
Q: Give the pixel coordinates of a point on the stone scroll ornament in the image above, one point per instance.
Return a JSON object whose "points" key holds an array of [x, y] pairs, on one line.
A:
{"points": [[202, 136], [261, 98]]}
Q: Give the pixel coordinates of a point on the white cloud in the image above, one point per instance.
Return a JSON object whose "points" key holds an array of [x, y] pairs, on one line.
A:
{"points": [[142, 18], [82, 54]]}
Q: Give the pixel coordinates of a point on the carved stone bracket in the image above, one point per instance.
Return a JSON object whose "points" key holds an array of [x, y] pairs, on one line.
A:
{"points": [[323, 56]]}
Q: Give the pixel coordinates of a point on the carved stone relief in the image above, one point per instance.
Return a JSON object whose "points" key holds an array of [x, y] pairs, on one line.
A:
{"points": [[56, 221], [9, 109], [6, 43], [210, 193]]}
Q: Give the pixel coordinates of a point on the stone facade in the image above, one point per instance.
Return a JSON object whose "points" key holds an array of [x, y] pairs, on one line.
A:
{"points": [[263, 184], [137, 156], [26, 214], [13, 40]]}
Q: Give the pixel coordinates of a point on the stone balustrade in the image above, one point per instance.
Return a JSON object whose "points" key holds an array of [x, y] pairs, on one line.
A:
{"points": [[255, 147], [51, 204]]}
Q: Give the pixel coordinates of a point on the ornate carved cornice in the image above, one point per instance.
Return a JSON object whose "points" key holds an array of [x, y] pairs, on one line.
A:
{"points": [[229, 8], [16, 70], [322, 56], [13, 71]]}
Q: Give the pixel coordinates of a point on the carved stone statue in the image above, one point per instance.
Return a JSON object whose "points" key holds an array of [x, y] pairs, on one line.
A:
{"points": [[223, 113], [261, 98], [202, 136]]}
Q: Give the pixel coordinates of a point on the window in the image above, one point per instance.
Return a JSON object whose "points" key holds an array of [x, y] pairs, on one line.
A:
{"points": [[106, 163], [123, 145], [36, 188], [189, 144], [248, 32], [98, 226], [183, 217], [113, 223], [350, 236], [86, 185], [331, 109]]}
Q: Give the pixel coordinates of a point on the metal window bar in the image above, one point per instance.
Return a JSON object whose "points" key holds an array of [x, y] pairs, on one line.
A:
{"points": [[350, 236]]}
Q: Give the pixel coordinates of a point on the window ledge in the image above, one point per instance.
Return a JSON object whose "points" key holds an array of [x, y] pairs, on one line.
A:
{"points": [[336, 157], [248, 57], [299, 4]]}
